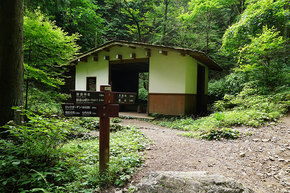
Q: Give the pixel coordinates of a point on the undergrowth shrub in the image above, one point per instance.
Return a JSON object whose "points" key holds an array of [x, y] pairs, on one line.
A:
{"points": [[49, 155], [250, 108], [143, 94], [45, 102], [83, 157], [231, 84], [215, 134]]}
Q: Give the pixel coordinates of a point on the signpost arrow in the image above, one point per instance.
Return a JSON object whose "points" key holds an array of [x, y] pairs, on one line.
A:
{"points": [[104, 104], [72, 110]]}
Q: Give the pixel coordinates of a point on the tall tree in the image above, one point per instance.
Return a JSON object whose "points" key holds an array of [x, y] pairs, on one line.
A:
{"points": [[270, 13], [11, 58], [258, 42], [47, 48], [73, 16], [206, 21]]}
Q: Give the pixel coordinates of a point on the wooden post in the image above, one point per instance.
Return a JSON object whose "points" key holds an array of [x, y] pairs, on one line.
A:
{"points": [[104, 144], [104, 140], [104, 104]]}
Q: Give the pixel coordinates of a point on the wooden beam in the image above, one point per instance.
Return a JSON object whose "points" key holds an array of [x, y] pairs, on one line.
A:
{"points": [[182, 53], [84, 59], [95, 58], [133, 55], [133, 47], [148, 52], [106, 57], [130, 61], [163, 52], [119, 56]]}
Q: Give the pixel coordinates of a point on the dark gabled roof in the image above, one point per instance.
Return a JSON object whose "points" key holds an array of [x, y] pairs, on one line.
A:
{"points": [[198, 55]]}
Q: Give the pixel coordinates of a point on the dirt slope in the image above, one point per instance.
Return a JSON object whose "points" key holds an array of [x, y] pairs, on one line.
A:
{"points": [[260, 161]]}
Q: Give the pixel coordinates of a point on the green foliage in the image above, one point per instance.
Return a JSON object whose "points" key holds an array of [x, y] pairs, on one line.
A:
{"points": [[251, 22], [45, 102], [264, 59], [231, 84], [143, 86], [47, 48], [82, 158], [143, 94], [258, 42], [203, 24], [91, 123], [75, 17], [116, 120], [249, 108], [39, 75], [217, 134], [47, 154], [40, 135], [82, 16], [30, 152]]}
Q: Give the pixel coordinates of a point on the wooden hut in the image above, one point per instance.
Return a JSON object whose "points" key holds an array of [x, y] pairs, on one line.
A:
{"points": [[178, 77]]}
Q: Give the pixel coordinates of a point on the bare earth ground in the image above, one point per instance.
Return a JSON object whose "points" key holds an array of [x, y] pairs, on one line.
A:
{"points": [[260, 161]]}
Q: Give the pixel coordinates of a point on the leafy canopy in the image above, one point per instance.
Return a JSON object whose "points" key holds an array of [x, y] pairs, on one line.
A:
{"points": [[263, 57], [73, 16], [47, 48], [258, 14]]}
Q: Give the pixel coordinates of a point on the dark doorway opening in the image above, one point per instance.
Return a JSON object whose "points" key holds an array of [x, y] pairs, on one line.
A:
{"points": [[201, 106], [124, 77]]}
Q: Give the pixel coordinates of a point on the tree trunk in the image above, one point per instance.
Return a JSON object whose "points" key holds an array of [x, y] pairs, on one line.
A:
{"points": [[166, 2], [134, 20], [11, 59]]}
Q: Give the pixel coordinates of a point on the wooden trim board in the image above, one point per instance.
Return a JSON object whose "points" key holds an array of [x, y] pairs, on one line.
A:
{"points": [[172, 103]]}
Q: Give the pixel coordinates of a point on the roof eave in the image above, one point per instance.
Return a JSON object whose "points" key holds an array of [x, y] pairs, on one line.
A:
{"points": [[201, 56]]}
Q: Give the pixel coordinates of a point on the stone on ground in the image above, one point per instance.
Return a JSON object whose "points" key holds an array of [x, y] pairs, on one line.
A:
{"points": [[189, 182]]}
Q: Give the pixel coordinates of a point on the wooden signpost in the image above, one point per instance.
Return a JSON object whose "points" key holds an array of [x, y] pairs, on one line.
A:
{"points": [[104, 104]]}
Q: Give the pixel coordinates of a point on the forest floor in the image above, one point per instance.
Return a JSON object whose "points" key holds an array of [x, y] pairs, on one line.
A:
{"points": [[260, 161]]}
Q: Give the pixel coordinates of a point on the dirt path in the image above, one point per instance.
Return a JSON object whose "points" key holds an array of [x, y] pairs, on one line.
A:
{"points": [[260, 161]]}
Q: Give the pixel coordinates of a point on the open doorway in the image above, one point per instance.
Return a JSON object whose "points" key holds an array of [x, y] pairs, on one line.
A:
{"points": [[143, 88], [131, 76], [201, 97]]}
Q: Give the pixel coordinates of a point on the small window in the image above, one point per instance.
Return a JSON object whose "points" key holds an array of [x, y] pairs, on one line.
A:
{"points": [[91, 83]]}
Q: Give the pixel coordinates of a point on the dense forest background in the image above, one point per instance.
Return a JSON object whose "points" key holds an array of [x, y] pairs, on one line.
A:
{"points": [[47, 152], [247, 38]]}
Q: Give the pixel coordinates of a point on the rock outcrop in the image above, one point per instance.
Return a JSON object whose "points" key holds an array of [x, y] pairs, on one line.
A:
{"points": [[189, 182]]}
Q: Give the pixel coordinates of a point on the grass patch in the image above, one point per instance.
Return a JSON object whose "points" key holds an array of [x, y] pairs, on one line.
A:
{"points": [[82, 156], [248, 108]]}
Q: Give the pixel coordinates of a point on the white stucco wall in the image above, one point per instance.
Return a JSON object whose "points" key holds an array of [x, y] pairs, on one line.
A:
{"points": [[191, 76], [125, 52], [99, 69], [171, 73]]}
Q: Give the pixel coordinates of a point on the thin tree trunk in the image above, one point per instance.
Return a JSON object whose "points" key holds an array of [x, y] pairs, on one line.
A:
{"points": [[135, 21], [207, 35], [166, 2], [11, 59]]}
